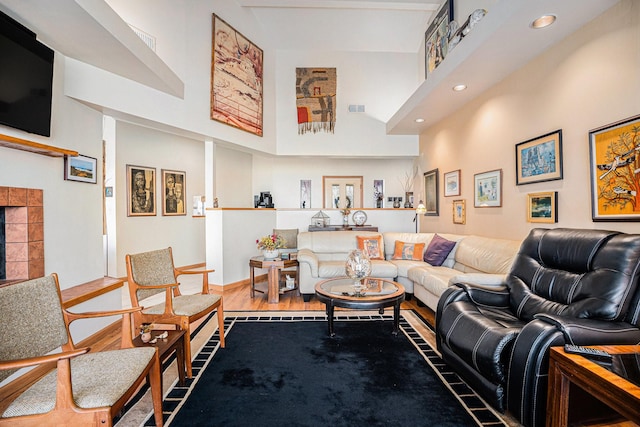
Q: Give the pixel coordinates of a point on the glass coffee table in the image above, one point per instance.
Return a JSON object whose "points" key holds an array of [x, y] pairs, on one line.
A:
{"points": [[374, 294]]}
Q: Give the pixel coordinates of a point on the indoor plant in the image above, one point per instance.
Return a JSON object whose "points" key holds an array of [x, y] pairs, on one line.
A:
{"points": [[270, 245]]}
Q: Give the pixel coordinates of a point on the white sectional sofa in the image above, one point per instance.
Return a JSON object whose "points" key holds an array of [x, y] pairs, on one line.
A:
{"points": [[474, 259]]}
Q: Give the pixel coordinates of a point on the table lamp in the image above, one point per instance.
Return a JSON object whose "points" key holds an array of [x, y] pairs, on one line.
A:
{"points": [[420, 210]]}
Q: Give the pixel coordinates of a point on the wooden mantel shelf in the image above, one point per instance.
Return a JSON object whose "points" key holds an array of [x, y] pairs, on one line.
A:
{"points": [[34, 147]]}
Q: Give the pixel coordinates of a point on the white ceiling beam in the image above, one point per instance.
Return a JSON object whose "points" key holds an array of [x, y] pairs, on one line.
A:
{"points": [[424, 5]]}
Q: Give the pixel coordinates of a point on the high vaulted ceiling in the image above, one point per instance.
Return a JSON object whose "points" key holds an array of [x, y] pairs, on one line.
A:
{"points": [[344, 25]]}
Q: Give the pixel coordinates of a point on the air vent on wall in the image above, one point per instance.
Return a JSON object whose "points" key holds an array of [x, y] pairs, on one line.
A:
{"points": [[148, 39], [356, 108]]}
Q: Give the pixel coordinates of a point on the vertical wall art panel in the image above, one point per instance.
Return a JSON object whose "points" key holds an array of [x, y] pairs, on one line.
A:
{"points": [[236, 79], [316, 99]]}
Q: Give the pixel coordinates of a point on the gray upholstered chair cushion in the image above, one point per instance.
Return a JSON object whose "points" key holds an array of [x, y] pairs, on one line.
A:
{"points": [[152, 268], [98, 380], [186, 305], [31, 319]]}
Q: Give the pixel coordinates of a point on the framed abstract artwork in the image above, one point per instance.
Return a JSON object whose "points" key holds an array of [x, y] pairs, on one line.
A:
{"points": [[459, 212], [488, 189], [141, 184], [174, 188], [81, 168], [615, 171], [539, 159], [305, 194], [431, 192], [236, 79], [436, 38], [542, 207], [452, 183]]}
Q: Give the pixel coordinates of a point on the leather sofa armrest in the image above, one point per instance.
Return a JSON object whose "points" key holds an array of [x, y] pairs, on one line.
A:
{"points": [[307, 256], [592, 331], [492, 296]]}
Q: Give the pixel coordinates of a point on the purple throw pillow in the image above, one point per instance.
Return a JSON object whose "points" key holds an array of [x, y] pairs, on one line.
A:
{"points": [[438, 250]]}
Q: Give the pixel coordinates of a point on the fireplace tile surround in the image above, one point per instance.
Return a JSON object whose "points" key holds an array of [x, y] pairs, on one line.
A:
{"points": [[23, 233]]}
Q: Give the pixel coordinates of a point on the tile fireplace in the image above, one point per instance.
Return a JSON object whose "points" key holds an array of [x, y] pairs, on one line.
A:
{"points": [[22, 235]]}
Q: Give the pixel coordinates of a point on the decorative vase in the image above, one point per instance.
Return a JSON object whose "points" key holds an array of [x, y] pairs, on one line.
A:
{"points": [[270, 253], [345, 220], [396, 202], [357, 267], [145, 336]]}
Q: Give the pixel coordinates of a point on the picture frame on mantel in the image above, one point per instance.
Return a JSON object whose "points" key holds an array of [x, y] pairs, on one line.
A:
{"points": [[436, 38]]}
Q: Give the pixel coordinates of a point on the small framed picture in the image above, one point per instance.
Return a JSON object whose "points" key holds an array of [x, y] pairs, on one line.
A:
{"points": [[378, 193], [431, 192], [488, 189], [452, 183], [539, 159], [305, 194], [615, 171], [436, 39], [459, 212], [81, 168], [542, 207], [141, 184], [174, 185]]}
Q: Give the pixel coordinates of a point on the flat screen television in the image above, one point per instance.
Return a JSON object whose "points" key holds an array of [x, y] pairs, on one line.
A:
{"points": [[26, 79]]}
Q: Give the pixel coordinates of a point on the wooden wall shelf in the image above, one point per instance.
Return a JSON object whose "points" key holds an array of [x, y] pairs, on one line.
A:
{"points": [[34, 147]]}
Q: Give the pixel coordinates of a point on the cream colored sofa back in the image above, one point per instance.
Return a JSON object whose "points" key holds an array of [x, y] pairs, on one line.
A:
{"points": [[391, 237], [329, 245], [476, 254]]}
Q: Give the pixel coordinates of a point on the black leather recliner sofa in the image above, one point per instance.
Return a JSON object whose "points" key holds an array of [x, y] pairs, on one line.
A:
{"points": [[565, 286]]}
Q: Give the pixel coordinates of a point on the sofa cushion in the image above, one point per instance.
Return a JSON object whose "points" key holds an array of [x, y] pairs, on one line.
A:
{"points": [[433, 279], [438, 250], [382, 269], [409, 251], [373, 246]]}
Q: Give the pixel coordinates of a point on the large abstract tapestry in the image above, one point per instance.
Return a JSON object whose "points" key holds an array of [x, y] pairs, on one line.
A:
{"points": [[236, 79], [316, 99]]}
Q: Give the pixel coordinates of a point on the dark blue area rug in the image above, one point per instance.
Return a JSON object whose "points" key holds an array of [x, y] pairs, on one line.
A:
{"points": [[287, 371]]}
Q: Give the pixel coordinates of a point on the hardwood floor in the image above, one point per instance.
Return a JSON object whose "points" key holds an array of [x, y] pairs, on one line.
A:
{"points": [[239, 299]]}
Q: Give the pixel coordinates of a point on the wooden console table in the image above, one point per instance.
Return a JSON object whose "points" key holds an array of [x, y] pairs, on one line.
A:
{"points": [[273, 275], [344, 228], [580, 388]]}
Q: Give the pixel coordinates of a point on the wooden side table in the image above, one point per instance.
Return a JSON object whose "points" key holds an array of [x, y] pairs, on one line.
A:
{"points": [[273, 276], [575, 382], [174, 342]]}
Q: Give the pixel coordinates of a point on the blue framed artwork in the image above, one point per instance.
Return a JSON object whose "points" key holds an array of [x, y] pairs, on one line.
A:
{"points": [[539, 159]]}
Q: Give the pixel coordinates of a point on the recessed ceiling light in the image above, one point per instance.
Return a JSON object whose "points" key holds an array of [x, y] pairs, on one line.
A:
{"points": [[543, 21], [460, 87], [419, 120]]}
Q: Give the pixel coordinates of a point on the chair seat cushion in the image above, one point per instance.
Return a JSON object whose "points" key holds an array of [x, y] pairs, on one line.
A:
{"points": [[98, 380], [483, 338], [186, 305]]}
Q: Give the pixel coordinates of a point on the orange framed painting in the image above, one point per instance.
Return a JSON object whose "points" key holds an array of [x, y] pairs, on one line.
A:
{"points": [[615, 171]]}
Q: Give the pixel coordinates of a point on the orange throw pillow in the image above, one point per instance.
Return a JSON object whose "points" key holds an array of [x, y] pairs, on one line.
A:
{"points": [[373, 246], [411, 251]]}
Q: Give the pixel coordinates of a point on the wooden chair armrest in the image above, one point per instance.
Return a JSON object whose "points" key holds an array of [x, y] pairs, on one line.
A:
{"points": [[167, 285], [92, 314], [197, 270], [32, 361]]}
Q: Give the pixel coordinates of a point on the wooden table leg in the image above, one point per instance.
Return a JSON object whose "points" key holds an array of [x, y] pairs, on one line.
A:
{"points": [[180, 359], [330, 318], [252, 281], [274, 285], [396, 318]]}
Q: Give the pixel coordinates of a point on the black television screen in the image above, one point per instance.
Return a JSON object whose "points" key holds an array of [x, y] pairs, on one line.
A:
{"points": [[26, 79]]}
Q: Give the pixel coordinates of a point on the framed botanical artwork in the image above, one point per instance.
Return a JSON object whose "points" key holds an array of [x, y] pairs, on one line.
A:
{"points": [[141, 184], [436, 40], [174, 189], [431, 192], [539, 159], [459, 212], [542, 207], [452, 183], [488, 189], [81, 168], [305, 194], [615, 171], [236, 79]]}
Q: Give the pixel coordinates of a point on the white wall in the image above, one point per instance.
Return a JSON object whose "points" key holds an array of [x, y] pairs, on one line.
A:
{"points": [[136, 145], [586, 81]]}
